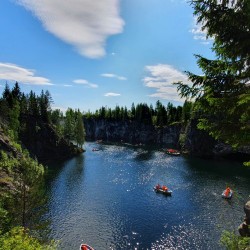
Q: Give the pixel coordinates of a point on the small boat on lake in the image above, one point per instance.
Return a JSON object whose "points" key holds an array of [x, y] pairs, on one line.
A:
{"points": [[86, 247], [95, 149], [172, 151], [227, 193], [163, 190]]}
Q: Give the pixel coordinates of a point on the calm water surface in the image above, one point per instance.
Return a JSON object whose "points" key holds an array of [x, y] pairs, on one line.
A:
{"points": [[106, 199]]}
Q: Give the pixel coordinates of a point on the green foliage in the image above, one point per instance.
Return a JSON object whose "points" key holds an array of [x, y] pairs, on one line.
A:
{"points": [[186, 111], [16, 108], [22, 197], [222, 93], [34, 114], [19, 239], [79, 130], [56, 118], [161, 114], [27, 192], [228, 23], [182, 139], [6, 162], [14, 123], [44, 104], [142, 113], [28, 183], [246, 164], [73, 129], [68, 131], [234, 242], [4, 218]]}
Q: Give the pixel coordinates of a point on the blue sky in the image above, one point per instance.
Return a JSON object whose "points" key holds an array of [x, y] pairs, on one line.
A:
{"points": [[91, 53]]}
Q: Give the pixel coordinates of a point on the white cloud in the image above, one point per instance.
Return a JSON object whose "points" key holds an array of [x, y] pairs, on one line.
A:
{"points": [[86, 83], [111, 94], [12, 72], [85, 24], [200, 34], [122, 78], [67, 85], [161, 78]]}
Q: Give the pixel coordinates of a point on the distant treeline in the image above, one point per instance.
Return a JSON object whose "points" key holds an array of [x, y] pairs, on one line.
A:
{"points": [[25, 112], [16, 107], [159, 116]]}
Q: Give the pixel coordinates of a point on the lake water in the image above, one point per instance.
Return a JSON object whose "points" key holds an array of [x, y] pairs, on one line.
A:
{"points": [[105, 198]]}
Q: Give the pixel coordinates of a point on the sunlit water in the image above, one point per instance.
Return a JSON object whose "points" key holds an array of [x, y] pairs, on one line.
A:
{"points": [[106, 199]]}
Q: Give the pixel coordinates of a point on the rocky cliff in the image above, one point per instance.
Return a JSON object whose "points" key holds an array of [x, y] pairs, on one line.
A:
{"points": [[200, 143], [44, 143], [5, 144], [188, 138], [131, 132], [197, 142], [6, 177]]}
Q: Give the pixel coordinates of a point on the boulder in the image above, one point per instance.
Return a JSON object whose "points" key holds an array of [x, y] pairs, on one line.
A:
{"points": [[244, 228], [247, 210]]}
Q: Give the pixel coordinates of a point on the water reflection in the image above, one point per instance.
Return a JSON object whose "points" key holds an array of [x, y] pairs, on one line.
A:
{"points": [[106, 198], [143, 155]]}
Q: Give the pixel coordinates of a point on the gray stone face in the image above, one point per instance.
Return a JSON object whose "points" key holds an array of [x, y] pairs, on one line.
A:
{"points": [[130, 132], [247, 210], [194, 141], [244, 228]]}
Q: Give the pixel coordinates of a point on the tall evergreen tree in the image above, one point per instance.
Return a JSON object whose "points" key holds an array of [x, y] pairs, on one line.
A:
{"points": [[133, 110], [56, 118], [161, 114], [79, 130], [6, 91], [33, 105], [68, 131], [16, 92], [223, 92], [23, 104], [186, 111]]}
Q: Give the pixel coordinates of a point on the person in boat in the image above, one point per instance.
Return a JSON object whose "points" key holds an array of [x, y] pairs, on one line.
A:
{"points": [[228, 190], [158, 186], [164, 188], [85, 247]]}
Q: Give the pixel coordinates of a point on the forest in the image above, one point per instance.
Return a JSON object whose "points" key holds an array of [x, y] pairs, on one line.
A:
{"points": [[23, 117], [143, 113], [220, 103], [25, 113]]}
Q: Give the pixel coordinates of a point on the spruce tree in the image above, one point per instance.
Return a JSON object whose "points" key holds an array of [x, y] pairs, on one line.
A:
{"points": [[79, 130], [222, 93]]}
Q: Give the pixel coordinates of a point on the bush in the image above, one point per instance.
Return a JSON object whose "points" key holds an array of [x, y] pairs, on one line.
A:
{"points": [[234, 242], [19, 239]]}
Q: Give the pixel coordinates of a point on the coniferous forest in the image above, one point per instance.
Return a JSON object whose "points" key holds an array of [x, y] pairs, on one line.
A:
{"points": [[31, 132], [25, 122]]}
